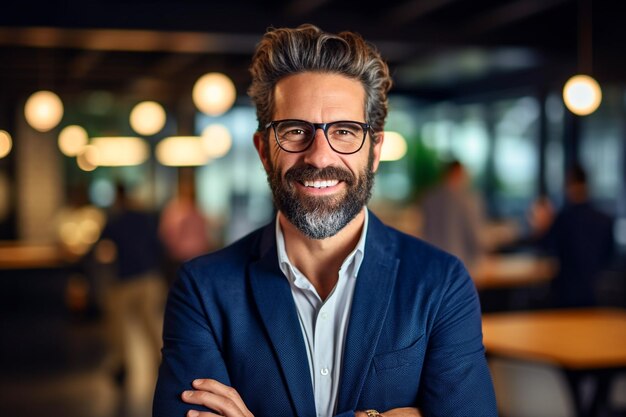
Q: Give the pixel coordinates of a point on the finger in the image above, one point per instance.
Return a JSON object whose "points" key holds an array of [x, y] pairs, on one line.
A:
{"points": [[216, 387], [223, 405], [195, 413]]}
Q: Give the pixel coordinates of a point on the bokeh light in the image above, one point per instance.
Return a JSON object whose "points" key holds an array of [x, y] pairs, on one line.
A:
{"points": [[181, 151], [147, 118], [43, 110], [88, 158], [582, 95], [72, 140], [216, 140], [6, 143], [214, 94], [116, 151], [394, 147]]}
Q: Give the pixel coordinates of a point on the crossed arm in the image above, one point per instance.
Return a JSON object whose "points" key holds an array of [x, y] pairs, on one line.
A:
{"points": [[228, 403], [455, 378]]}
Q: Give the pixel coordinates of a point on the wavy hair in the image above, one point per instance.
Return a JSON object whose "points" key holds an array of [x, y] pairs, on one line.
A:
{"points": [[285, 51]]}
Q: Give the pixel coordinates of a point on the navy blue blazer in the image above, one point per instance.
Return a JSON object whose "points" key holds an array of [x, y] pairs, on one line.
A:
{"points": [[414, 336]]}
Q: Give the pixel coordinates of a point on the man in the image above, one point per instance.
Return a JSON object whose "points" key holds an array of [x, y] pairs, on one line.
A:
{"points": [[581, 238], [326, 311], [453, 216]]}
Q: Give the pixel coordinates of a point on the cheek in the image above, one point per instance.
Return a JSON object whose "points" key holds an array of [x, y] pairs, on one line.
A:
{"points": [[359, 166], [282, 161]]}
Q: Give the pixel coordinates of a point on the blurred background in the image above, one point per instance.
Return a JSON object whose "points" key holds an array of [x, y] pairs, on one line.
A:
{"points": [[126, 148]]}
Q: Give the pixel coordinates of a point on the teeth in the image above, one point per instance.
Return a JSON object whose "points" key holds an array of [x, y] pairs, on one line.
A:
{"points": [[321, 184]]}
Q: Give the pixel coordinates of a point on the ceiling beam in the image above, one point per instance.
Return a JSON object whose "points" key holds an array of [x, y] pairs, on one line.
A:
{"points": [[129, 40], [509, 13], [299, 8], [413, 10]]}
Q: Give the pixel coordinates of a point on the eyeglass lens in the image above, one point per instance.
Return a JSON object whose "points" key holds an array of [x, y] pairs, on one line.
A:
{"points": [[295, 135]]}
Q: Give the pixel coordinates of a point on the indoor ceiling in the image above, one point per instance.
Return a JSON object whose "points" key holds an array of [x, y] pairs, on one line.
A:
{"points": [[436, 48]]}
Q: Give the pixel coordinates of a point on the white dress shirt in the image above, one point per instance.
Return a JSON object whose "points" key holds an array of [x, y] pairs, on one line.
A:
{"points": [[324, 324]]}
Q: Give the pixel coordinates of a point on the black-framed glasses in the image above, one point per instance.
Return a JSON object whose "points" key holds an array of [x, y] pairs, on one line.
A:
{"points": [[344, 136]]}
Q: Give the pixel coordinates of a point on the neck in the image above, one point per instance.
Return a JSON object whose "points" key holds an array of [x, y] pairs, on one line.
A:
{"points": [[320, 259]]}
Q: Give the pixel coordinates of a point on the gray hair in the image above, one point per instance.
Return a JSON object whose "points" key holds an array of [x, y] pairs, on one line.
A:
{"points": [[286, 51]]}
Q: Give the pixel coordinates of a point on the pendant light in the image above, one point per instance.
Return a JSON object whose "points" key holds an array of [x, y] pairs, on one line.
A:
{"points": [[43, 110], [582, 93]]}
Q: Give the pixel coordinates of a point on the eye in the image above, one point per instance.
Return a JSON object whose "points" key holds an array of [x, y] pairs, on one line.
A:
{"points": [[343, 132], [295, 132]]}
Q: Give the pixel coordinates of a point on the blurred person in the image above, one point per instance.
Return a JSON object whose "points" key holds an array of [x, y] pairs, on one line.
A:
{"points": [[183, 228], [78, 224], [453, 216], [77, 227], [135, 291], [580, 237], [325, 311]]}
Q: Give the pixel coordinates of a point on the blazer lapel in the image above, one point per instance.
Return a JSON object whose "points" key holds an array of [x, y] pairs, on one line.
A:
{"points": [[278, 312], [372, 295]]}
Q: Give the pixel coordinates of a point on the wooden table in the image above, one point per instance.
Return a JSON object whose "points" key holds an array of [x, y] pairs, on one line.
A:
{"points": [[581, 341], [15, 255], [514, 270]]}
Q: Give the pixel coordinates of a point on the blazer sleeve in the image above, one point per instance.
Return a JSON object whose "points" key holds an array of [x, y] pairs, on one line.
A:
{"points": [[189, 345], [456, 379]]}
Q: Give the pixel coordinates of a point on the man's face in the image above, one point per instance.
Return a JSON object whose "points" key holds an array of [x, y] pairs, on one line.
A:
{"points": [[319, 191]]}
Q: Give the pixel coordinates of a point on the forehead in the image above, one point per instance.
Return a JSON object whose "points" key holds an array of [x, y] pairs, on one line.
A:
{"points": [[319, 97]]}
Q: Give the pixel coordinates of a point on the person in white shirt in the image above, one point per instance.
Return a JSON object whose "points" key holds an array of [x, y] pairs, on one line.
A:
{"points": [[325, 311]]}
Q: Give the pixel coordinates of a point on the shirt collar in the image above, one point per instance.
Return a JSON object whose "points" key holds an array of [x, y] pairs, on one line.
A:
{"points": [[352, 263]]}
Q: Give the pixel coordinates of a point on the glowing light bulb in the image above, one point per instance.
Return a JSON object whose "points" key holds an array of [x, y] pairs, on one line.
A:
{"points": [[582, 95], [72, 140], [117, 151], [43, 110], [6, 143], [214, 93], [147, 118]]}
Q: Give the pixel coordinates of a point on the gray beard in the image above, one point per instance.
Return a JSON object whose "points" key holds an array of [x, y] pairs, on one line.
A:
{"points": [[321, 217]]}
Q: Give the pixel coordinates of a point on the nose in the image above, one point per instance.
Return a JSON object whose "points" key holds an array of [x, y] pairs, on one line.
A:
{"points": [[319, 154]]}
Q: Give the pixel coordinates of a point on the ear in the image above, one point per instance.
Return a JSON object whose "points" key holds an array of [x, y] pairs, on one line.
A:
{"points": [[377, 150], [261, 148]]}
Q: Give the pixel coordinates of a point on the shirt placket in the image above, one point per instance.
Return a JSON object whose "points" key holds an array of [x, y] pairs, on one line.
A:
{"points": [[324, 344]]}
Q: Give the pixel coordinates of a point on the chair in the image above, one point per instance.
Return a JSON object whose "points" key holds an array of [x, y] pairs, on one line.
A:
{"points": [[526, 389]]}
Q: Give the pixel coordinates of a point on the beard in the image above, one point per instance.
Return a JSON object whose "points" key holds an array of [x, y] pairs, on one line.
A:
{"points": [[320, 217]]}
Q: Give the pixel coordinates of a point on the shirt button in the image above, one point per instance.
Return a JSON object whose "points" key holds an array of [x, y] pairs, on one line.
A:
{"points": [[324, 371], [324, 316]]}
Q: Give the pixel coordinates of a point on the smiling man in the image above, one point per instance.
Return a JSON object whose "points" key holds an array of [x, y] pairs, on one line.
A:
{"points": [[325, 311]]}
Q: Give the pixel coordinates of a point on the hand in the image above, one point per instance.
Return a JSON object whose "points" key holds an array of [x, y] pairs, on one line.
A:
{"points": [[395, 412], [216, 396], [403, 412]]}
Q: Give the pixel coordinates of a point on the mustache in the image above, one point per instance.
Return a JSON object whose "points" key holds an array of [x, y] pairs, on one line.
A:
{"points": [[310, 173]]}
